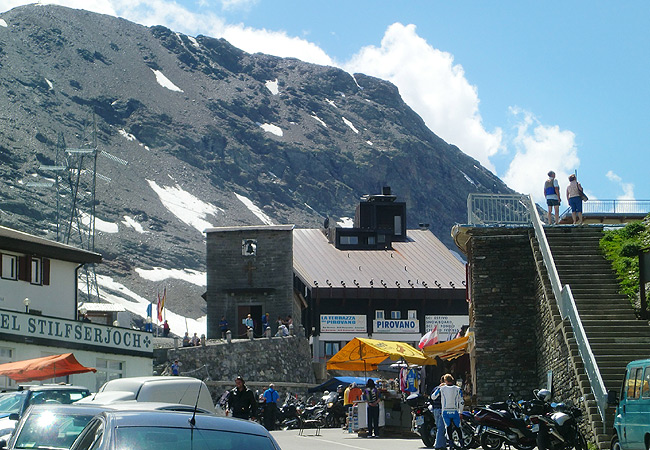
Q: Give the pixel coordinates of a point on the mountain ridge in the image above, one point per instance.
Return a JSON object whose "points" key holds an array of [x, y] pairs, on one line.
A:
{"points": [[204, 127]]}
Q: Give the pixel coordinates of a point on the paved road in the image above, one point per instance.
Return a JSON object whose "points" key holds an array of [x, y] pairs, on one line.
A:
{"points": [[337, 439]]}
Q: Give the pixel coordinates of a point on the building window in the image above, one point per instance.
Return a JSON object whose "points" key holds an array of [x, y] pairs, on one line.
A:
{"points": [[6, 355], [9, 267], [36, 271], [108, 369], [349, 240], [396, 314], [371, 240], [379, 315], [398, 225], [332, 348], [381, 239], [413, 314]]}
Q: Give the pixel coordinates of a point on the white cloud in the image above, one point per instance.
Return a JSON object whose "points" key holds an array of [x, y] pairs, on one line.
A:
{"points": [[276, 43], [435, 87], [539, 149], [627, 188]]}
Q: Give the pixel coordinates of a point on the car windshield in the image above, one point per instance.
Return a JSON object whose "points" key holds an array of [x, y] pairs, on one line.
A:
{"points": [[51, 430], [57, 396], [155, 438], [12, 402]]}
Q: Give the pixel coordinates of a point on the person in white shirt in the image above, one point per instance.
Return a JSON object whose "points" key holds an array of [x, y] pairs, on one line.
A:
{"points": [[451, 397]]}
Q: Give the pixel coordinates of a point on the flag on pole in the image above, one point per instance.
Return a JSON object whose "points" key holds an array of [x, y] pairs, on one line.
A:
{"points": [[149, 310], [161, 304], [429, 338]]}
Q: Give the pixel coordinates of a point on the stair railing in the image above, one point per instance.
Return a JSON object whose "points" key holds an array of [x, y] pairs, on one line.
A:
{"points": [[567, 306]]}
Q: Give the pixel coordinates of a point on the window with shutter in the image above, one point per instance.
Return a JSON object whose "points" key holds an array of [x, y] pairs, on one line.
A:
{"points": [[25, 268], [9, 267], [46, 271]]}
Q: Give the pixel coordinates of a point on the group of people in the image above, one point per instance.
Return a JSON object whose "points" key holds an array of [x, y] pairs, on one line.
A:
{"points": [[193, 341], [574, 194]]}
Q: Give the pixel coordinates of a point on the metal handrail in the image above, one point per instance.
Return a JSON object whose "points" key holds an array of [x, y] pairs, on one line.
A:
{"points": [[497, 209], [567, 306]]}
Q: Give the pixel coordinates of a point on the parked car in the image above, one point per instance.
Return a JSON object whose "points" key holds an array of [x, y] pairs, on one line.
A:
{"points": [[632, 418], [182, 390], [57, 426], [178, 430], [14, 404]]}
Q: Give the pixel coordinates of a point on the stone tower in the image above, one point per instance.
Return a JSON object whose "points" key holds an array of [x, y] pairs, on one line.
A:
{"points": [[249, 271]]}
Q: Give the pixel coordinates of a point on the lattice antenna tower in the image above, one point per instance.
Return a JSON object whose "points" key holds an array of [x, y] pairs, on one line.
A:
{"points": [[75, 182]]}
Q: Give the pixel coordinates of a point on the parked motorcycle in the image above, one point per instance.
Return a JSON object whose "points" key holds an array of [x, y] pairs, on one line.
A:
{"points": [[288, 417], [504, 422], [424, 422], [556, 425]]}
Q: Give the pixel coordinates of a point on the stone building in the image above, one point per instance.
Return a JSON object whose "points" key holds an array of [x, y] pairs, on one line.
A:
{"points": [[250, 271]]}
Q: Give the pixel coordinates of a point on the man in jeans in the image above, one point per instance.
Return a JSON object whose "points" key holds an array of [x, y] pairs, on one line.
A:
{"points": [[451, 397], [441, 439], [372, 397]]}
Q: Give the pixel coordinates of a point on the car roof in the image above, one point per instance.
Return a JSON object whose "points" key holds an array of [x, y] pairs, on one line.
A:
{"points": [[84, 408], [133, 384], [181, 420]]}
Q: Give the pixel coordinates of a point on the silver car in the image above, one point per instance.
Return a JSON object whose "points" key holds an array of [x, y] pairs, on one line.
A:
{"points": [[57, 426], [153, 430]]}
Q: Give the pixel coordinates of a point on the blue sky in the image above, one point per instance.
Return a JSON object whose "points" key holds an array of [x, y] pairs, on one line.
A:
{"points": [[522, 86]]}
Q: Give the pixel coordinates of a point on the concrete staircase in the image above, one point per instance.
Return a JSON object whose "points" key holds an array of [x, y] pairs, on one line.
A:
{"points": [[615, 334]]}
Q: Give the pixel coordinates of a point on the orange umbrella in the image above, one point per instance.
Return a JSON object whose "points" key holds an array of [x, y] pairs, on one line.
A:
{"points": [[43, 368]]}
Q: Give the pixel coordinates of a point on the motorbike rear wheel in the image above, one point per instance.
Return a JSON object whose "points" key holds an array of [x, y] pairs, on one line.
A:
{"points": [[490, 441], [427, 433]]}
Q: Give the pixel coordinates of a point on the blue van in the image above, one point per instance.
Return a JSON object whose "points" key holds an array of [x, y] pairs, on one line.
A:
{"points": [[632, 419]]}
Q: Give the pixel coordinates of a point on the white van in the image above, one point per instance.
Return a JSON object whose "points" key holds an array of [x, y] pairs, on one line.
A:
{"points": [[182, 390]]}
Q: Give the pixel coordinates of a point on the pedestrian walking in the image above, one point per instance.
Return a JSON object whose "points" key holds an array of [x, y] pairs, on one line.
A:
{"points": [[271, 398], [451, 397], [441, 438], [372, 397], [552, 194], [241, 401]]}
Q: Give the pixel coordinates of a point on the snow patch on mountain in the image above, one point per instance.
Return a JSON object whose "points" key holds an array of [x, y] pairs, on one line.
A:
{"points": [[348, 123], [128, 136], [272, 86], [270, 128], [468, 178], [160, 274], [331, 102], [186, 207], [100, 225], [319, 120], [346, 222], [50, 85], [165, 82], [116, 293], [194, 42], [132, 223], [254, 209], [3, 23]]}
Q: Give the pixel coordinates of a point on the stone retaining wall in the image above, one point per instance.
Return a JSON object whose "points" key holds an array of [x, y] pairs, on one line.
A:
{"points": [[282, 360]]}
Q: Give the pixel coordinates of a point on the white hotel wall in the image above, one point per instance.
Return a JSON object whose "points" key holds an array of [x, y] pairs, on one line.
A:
{"points": [[57, 299]]}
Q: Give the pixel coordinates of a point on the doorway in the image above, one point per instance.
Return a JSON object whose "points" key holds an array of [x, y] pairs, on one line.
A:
{"points": [[242, 312]]}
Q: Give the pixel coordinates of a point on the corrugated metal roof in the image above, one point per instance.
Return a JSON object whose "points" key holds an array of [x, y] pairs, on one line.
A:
{"points": [[421, 258]]}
